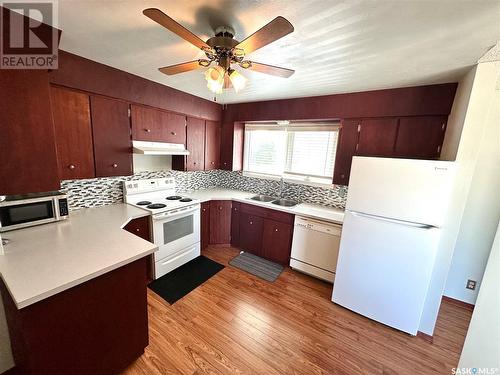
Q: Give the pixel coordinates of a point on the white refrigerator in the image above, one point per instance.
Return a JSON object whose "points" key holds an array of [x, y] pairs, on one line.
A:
{"points": [[394, 212]]}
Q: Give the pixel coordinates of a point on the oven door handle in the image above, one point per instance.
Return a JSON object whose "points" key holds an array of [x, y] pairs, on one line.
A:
{"points": [[177, 212]]}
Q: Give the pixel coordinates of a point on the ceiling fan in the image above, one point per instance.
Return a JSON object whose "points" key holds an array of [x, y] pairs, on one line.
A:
{"points": [[223, 51]]}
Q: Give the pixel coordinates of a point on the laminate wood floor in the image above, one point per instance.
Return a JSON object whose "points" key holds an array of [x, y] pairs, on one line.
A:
{"points": [[238, 323]]}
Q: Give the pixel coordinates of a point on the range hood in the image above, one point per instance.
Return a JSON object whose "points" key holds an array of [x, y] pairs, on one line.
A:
{"points": [[159, 148]]}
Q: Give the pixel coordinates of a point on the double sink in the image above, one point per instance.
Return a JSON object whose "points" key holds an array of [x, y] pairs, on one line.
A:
{"points": [[277, 201]]}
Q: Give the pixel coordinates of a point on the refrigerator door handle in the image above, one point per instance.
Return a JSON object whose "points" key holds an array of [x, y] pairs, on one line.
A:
{"points": [[394, 221]]}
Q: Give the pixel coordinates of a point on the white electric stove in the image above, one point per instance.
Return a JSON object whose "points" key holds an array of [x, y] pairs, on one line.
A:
{"points": [[175, 221]]}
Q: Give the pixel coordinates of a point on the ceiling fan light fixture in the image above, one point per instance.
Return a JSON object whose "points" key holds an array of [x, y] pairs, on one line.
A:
{"points": [[215, 78], [246, 64], [238, 80]]}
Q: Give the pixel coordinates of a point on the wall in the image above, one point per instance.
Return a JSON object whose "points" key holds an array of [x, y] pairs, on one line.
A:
{"points": [[481, 213], [409, 101], [80, 73], [101, 191], [474, 125], [482, 344]]}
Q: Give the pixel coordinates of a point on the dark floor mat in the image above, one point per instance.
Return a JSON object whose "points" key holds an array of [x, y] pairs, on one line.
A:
{"points": [[176, 284]]}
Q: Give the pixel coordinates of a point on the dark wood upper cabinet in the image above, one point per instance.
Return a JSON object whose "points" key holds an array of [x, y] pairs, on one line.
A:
{"points": [[220, 222], [28, 162], [73, 132], [420, 137], [231, 146], [212, 145], [154, 125], [377, 137], [111, 135], [205, 224], [195, 144], [346, 148], [277, 241]]}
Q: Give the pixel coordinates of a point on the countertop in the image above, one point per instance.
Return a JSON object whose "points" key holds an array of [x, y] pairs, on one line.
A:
{"points": [[47, 259], [314, 211]]}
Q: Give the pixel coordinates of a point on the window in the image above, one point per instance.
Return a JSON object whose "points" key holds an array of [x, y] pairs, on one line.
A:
{"points": [[301, 152]]}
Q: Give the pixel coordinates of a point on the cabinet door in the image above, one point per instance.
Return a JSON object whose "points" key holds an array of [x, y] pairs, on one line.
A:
{"points": [[420, 137], [212, 145], [111, 134], [195, 161], [139, 227], [205, 224], [377, 137], [346, 148], [235, 224], [28, 162], [277, 241], [154, 125], [75, 154], [251, 233], [220, 222]]}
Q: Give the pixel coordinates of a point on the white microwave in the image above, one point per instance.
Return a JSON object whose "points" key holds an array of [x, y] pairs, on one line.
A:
{"points": [[25, 211]]}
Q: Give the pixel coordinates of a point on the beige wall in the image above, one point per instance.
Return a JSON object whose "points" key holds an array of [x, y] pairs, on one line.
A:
{"points": [[482, 344], [473, 127], [481, 213]]}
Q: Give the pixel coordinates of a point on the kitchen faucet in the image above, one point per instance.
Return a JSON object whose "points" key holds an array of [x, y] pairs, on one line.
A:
{"points": [[282, 186]]}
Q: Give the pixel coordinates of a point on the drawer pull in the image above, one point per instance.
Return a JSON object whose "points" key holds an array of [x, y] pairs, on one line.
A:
{"points": [[115, 165], [275, 229], [137, 230], [251, 222], [147, 130], [173, 133], [220, 208], [71, 166], [212, 162]]}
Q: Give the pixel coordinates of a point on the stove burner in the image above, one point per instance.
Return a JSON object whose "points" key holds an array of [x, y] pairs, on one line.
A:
{"points": [[156, 205], [185, 200], [174, 197], [143, 203]]}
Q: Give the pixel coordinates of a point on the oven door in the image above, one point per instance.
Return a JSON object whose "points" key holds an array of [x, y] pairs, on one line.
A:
{"points": [[174, 231], [20, 214]]}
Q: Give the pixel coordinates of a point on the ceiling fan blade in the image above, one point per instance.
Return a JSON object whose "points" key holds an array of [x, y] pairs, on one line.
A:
{"points": [[274, 30], [180, 68], [175, 27], [267, 69]]}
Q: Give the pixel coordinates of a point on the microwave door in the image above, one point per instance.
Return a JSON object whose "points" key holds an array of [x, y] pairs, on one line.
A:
{"points": [[15, 216]]}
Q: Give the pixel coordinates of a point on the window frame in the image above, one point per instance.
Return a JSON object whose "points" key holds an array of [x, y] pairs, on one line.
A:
{"points": [[297, 178]]}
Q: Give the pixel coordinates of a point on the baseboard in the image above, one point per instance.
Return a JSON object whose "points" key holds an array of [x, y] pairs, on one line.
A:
{"points": [[425, 336], [468, 306]]}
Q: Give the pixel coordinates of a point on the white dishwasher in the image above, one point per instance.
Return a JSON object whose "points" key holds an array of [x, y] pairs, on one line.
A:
{"points": [[315, 247]]}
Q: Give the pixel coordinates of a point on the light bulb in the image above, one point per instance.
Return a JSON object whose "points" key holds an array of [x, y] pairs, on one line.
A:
{"points": [[237, 80], [215, 79]]}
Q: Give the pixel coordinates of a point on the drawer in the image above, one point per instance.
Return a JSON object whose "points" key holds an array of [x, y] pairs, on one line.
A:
{"points": [[269, 213], [176, 260]]}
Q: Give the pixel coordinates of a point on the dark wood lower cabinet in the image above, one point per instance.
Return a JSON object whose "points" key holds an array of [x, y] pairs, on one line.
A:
{"points": [[277, 241], [205, 224], [235, 224], [140, 227], [220, 222], [98, 327], [251, 233]]}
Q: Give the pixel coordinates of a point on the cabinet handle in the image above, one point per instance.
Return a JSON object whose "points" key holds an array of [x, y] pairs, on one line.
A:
{"points": [[235, 209], [212, 162], [71, 166], [204, 209], [147, 130], [194, 163], [220, 208], [173, 133], [225, 163], [137, 230], [275, 229], [115, 165], [342, 176], [251, 222]]}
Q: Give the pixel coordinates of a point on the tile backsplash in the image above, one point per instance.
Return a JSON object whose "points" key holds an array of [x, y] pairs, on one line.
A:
{"points": [[101, 191]]}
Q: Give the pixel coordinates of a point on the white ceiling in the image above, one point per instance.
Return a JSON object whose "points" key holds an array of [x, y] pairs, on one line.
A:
{"points": [[337, 46]]}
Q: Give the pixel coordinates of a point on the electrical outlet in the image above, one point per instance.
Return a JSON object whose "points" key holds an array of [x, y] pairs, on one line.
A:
{"points": [[471, 284]]}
